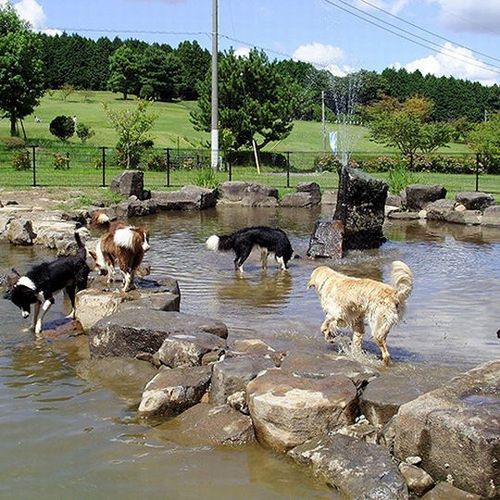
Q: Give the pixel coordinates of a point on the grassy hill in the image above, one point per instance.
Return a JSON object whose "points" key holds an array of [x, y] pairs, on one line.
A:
{"points": [[173, 128]]}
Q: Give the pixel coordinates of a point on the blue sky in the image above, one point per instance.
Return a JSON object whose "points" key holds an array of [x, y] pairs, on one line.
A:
{"points": [[316, 31]]}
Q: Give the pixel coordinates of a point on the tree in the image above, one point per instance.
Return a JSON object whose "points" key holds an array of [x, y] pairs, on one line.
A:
{"points": [[132, 126], [158, 69], [256, 102], [193, 65], [63, 127], [21, 69], [84, 132], [485, 137], [404, 126], [66, 90], [123, 71]]}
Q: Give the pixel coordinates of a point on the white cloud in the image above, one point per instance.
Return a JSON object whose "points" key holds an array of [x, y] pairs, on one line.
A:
{"points": [[32, 11], [461, 64], [323, 56], [480, 16], [242, 52]]}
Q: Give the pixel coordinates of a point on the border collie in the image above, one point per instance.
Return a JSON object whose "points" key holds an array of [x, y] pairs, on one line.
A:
{"points": [[268, 239], [44, 280], [121, 245]]}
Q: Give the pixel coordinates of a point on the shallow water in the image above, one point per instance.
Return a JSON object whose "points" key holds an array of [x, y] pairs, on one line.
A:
{"points": [[66, 437]]}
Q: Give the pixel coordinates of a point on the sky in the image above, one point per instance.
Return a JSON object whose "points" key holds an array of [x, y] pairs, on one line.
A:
{"points": [[320, 32]]}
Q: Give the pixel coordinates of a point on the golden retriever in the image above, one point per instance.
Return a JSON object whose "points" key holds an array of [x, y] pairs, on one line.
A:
{"points": [[347, 301]]}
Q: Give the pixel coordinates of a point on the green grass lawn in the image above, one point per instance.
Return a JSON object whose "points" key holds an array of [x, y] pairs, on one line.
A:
{"points": [[173, 128]]}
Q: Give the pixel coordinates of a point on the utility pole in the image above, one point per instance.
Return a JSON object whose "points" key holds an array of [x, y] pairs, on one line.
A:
{"points": [[323, 120], [215, 96]]}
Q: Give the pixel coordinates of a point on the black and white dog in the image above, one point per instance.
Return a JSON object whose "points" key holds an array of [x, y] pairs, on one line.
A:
{"points": [[268, 239], [44, 280]]}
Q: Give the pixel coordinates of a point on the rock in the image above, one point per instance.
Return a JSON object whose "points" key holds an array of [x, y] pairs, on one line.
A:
{"points": [[170, 392], [187, 198], [472, 217], [362, 430], [403, 215], [182, 349], [94, 304], [129, 183], [383, 396], [129, 332], [134, 208], [308, 195], [208, 425], [491, 216], [233, 374], [238, 401], [248, 194], [252, 347], [20, 232], [394, 200], [329, 198], [360, 207], [475, 200], [455, 430], [305, 364], [287, 410], [326, 240], [417, 480], [446, 491], [124, 376], [418, 195], [358, 469], [439, 209]]}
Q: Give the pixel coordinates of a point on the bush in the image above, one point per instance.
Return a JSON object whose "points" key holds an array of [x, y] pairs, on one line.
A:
{"points": [[63, 127], [157, 163], [60, 161], [84, 132], [205, 177], [400, 177], [21, 161], [327, 163]]}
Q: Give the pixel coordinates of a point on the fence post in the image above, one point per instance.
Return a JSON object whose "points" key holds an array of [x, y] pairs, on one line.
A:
{"points": [[103, 164], [67, 160], [478, 159], [167, 153], [230, 170], [287, 169], [33, 158]]}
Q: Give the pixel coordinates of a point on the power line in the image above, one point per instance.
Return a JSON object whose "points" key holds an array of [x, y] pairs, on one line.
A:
{"points": [[427, 31], [451, 54]]}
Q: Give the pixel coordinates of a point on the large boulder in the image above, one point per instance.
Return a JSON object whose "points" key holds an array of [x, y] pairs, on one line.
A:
{"points": [[306, 364], [207, 425], [183, 349], [187, 198], [439, 209], [170, 392], [288, 410], [233, 374], [418, 195], [20, 232], [93, 304], [358, 469], [248, 194], [491, 216], [129, 183], [455, 430], [308, 195], [474, 200], [326, 240], [127, 333], [446, 491], [469, 217]]}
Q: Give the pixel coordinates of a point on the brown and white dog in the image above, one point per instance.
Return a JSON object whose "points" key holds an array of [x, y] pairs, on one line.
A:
{"points": [[347, 301], [122, 245]]}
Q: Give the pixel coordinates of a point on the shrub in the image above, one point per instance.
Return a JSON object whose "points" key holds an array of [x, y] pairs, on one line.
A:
{"points": [[63, 127], [13, 142], [400, 177], [84, 132], [157, 163], [328, 163], [21, 161], [205, 177], [60, 161]]}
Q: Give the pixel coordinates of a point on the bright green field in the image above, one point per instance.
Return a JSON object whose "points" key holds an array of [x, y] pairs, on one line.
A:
{"points": [[173, 128]]}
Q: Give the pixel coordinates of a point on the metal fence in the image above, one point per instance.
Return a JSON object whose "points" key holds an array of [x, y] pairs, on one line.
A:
{"points": [[70, 165]]}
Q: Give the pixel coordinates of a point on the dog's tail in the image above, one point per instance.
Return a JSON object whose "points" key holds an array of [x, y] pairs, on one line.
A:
{"points": [[402, 281], [101, 220], [220, 243], [82, 251]]}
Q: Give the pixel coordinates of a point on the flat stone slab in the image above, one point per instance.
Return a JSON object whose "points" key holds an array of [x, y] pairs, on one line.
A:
{"points": [[471, 217], [455, 430], [182, 349], [491, 216], [233, 374], [187, 198], [208, 425], [127, 333], [288, 410], [171, 392], [446, 491], [358, 469], [475, 200], [305, 364]]}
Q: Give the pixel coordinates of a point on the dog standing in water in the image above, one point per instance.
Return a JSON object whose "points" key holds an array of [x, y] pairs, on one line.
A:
{"points": [[347, 301]]}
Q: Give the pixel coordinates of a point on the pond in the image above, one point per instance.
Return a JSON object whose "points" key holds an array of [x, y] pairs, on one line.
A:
{"points": [[67, 437]]}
